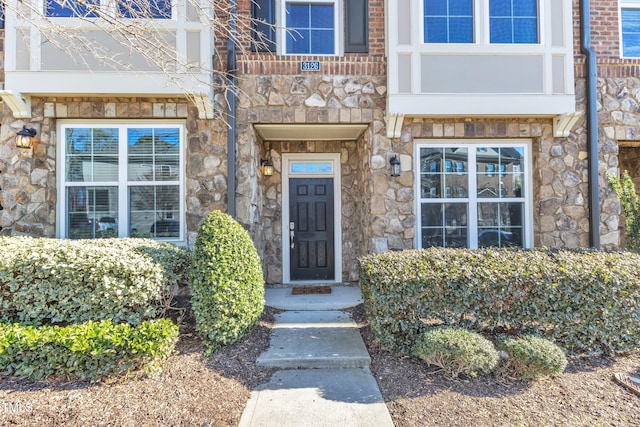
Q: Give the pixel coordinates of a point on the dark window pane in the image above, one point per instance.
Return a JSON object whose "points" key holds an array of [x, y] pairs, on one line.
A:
{"points": [[435, 7], [525, 8], [321, 42], [460, 7], [435, 30], [461, 30], [297, 41], [500, 8], [525, 30], [70, 8], [298, 15], [156, 9], [322, 16], [501, 30]]}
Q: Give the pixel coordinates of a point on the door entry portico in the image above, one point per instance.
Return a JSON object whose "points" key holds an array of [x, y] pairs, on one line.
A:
{"points": [[311, 233]]}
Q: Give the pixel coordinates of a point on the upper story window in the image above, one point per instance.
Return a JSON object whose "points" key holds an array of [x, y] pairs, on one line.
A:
{"points": [[630, 28], [448, 21], [456, 21], [155, 9], [310, 27], [513, 21]]}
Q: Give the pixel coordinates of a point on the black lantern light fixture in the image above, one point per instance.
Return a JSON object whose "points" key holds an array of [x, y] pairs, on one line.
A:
{"points": [[267, 167], [394, 162], [25, 138]]}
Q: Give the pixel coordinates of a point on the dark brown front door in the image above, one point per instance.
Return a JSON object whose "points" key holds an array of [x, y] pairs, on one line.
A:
{"points": [[311, 228]]}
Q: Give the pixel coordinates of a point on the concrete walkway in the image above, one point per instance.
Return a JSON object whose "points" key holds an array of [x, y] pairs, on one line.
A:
{"points": [[325, 379]]}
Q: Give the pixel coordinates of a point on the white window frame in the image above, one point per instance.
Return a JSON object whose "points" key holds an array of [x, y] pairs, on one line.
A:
{"points": [[281, 24], [481, 29], [625, 4], [123, 182], [472, 202]]}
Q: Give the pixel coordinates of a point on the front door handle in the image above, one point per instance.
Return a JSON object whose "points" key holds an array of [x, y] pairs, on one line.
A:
{"points": [[292, 233]]}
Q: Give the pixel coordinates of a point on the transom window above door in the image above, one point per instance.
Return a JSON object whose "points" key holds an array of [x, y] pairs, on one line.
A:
{"points": [[122, 181], [473, 195]]}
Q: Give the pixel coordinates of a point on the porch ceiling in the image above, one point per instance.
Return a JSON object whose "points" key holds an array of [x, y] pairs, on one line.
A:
{"points": [[310, 132]]}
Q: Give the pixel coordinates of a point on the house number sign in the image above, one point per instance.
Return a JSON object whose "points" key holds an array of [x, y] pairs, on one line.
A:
{"points": [[309, 65]]}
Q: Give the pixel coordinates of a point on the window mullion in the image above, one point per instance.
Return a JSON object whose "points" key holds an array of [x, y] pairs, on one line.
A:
{"points": [[123, 183], [472, 219]]}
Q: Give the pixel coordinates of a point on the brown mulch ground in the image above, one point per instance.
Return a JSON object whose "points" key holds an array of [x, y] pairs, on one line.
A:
{"points": [[193, 390]]}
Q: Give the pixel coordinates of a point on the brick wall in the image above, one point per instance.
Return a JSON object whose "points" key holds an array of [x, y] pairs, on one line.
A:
{"points": [[605, 39]]}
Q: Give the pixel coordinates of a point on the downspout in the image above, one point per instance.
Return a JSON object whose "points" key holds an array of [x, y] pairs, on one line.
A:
{"points": [[592, 122], [231, 111]]}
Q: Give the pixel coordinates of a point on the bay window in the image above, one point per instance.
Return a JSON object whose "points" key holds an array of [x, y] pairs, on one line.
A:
{"points": [[122, 181], [473, 195]]}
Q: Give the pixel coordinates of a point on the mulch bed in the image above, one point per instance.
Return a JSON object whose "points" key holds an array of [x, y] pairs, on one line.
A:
{"points": [[193, 390]]}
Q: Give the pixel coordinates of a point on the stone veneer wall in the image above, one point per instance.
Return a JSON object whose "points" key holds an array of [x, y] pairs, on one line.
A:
{"points": [[306, 99], [28, 180]]}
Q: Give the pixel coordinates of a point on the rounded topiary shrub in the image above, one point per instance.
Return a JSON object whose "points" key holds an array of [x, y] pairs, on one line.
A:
{"points": [[226, 281], [456, 350], [531, 357]]}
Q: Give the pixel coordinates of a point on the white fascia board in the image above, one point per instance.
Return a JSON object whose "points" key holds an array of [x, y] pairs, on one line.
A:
{"points": [[481, 105], [87, 83]]}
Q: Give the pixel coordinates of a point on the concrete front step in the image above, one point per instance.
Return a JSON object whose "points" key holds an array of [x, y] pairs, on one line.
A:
{"points": [[315, 339], [317, 398], [341, 297]]}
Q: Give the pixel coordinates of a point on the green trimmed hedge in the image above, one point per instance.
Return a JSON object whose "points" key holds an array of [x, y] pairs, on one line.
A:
{"points": [[226, 282], [50, 281], [586, 301], [84, 351]]}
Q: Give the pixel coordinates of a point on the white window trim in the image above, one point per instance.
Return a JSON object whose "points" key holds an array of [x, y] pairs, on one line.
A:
{"points": [[334, 158], [472, 213], [481, 30], [281, 25], [123, 183], [625, 4]]}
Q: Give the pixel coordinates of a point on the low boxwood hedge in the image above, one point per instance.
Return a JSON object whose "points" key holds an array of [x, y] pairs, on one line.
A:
{"points": [[456, 351], [530, 357], [586, 301], [84, 351], [50, 281]]}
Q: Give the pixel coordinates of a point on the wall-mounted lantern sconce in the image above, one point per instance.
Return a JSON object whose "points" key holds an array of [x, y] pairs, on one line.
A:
{"points": [[25, 138], [267, 167], [394, 162]]}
